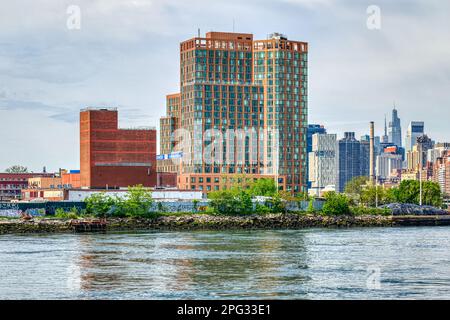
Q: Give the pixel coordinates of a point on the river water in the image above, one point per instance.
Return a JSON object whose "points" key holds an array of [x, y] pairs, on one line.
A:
{"points": [[371, 263]]}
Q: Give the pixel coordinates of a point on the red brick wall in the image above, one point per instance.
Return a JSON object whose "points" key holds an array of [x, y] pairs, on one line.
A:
{"points": [[115, 177], [167, 179], [114, 157], [71, 178]]}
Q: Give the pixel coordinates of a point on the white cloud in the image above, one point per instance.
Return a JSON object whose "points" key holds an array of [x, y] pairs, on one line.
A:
{"points": [[126, 54]]}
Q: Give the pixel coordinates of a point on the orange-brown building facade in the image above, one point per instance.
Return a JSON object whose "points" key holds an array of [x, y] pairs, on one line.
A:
{"points": [[232, 85], [115, 158]]}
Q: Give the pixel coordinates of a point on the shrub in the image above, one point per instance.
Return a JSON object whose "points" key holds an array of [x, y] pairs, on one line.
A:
{"points": [[195, 205], [225, 202], [99, 204], [276, 204], [62, 214], [262, 209], [137, 203], [336, 204], [311, 208], [161, 207]]}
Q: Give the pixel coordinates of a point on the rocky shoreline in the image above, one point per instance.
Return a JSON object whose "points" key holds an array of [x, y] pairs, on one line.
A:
{"points": [[209, 222]]}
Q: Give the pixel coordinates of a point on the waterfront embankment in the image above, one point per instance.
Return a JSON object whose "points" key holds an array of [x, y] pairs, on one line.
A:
{"points": [[212, 222]]}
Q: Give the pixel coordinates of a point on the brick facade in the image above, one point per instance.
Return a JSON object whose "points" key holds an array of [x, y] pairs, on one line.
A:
{"points": [[115, 158]]}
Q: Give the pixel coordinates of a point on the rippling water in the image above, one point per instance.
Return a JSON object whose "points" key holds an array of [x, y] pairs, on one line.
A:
{"points": [[410, 263]]}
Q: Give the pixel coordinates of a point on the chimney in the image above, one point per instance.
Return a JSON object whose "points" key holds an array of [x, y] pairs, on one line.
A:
{"points": [[372, 153]]}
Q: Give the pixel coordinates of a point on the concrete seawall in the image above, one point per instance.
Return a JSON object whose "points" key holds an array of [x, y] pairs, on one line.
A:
{"points": [[208, 222]]}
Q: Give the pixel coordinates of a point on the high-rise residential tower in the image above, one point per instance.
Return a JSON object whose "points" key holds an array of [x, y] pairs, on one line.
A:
{"points": [[242, 111], [312, 130], [395, 129], [323, 162]]}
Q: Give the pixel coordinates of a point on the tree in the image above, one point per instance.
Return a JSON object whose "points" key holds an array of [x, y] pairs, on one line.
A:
{"points": [[17, 169], [263, 187], [138, 202], [336, 204], [100, 204], [370, 194], [277, 204], [432, 194], [409, 192], [354, 188], [246, 204], [224, 202]]}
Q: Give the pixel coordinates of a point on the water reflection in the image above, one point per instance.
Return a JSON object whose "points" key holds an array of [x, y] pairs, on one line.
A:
{"points": [[181, 264], [327, 264]]}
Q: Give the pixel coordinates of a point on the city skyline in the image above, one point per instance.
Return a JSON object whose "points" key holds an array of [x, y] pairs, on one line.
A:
{"points": [[48, 80]]}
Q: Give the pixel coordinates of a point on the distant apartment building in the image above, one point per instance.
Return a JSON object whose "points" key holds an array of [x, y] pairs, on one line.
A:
{"points": [[438, 151], [323, 163], [312, 130], [167, 127], [378, 145], [111, 157], [71, 179], [45, 183], [11, 184], [417, 158], [387, 165], [415, 130], [395, 129], [233, 90], [441, 173], [354, 159]]}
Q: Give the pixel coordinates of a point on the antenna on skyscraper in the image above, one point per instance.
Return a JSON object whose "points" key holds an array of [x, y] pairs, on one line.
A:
{"points": [[198, 32], [385, 125]]}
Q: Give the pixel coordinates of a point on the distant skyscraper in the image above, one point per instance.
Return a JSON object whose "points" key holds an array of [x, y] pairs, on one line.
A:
{"points": [[395, 129], [415, 130], [323, 162], [386, 163], [438, 151], [417, 157], [353, 159], [312, 130], [385, 138]]}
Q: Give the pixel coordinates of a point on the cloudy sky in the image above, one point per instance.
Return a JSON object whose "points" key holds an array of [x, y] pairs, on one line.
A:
{"points": [[126, 55]]}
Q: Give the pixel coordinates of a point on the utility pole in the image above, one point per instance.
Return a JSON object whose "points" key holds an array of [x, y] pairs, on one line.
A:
{"points": [[372, 153], [376, 193], [420, 186]]}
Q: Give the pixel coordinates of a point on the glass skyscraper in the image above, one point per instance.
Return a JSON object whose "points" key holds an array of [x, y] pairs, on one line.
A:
{"points": [[395, 129], [415, 130], [354, 159]]}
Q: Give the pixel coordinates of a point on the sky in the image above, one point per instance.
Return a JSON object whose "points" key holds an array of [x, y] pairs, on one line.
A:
{"points": [[125, 54]]}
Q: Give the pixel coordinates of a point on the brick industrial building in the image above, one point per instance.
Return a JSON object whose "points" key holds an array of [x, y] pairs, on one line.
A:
{"points": [[231, 82], [113, 158], [11, 184]]}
